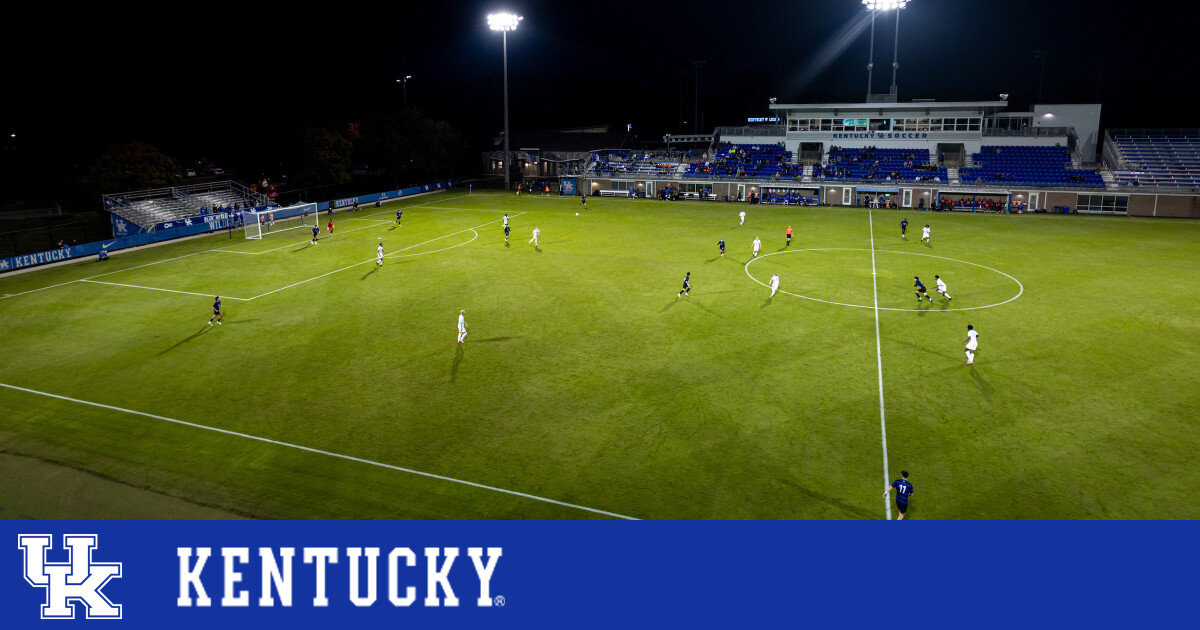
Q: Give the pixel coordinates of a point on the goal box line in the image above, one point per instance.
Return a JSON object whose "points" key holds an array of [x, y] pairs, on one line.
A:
{"points": [[260, 222]]}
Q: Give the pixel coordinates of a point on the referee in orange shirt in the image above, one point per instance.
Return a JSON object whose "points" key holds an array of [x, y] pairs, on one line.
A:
{"points": [[789, 235]]}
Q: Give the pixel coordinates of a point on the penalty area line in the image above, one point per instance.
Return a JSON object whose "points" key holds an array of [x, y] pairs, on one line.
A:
{"points": [[138, 286], [325, 453], [391, 255]]}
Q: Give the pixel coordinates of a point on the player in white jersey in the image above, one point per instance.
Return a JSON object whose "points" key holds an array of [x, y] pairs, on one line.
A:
{"points": [[533, 241], [757, 244], [925, 235], [462, 326], [379, 254], [941, 287], [971, 344], [742, 216], [505, 221], [774, 284]]}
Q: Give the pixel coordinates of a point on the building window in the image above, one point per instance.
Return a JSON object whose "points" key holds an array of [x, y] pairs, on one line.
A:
{"points": [[1116, 204]]}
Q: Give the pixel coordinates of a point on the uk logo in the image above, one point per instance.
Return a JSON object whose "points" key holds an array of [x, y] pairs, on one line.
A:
{"points": [[77, 581]]}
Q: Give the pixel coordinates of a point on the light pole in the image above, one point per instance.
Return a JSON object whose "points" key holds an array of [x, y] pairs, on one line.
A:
{"points": [[871, 58], [505, 22], [404, 81], [1041, 55], [875, 6]]}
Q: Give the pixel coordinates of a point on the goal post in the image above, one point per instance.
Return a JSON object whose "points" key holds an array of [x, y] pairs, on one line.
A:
{"points": [[260, 223]]}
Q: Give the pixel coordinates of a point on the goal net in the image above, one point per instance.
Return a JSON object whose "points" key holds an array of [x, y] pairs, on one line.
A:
{"points": [[260, 223]]}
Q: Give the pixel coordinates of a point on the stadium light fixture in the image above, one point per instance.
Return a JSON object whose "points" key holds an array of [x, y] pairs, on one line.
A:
{"points": [[505, 22], [884, 5]]}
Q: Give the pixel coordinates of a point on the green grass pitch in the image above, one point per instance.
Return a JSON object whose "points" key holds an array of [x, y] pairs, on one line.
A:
{"points": [[585, 380]]}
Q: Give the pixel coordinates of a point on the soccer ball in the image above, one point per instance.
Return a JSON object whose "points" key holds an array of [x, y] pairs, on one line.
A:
{"points": [[576, 214]]}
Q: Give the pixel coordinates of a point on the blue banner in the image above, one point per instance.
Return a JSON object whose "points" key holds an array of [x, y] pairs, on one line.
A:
{"points": [[128, 234], [91, 249], [383, 196], [567, 185], [599, 574], [124, 227]]}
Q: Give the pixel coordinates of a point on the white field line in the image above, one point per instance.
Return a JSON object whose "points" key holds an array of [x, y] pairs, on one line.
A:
{"points": [[469, 209], [13, 295], [98, 276], [138, 286], [887, 505], [1020, 287], [364, 217], [221, 249], [321, 452], [392, 255], [393, 209], [377, 223], [157, 262]]}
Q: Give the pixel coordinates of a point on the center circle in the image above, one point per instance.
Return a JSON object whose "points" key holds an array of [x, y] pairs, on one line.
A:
{"points": [[890, 276]]}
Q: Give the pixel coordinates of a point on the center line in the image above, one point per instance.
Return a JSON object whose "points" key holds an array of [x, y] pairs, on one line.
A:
{"points": [[887, 506]]}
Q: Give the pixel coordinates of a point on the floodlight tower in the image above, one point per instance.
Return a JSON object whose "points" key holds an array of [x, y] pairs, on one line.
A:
{"points": [[505, 22], [875, 6], [404, 82]]}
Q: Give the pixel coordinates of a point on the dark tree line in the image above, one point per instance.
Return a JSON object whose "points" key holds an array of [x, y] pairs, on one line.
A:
{"points": [[376, 151]]}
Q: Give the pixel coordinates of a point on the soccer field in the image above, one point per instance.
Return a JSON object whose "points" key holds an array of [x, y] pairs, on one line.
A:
{"points": [[588, 389]]}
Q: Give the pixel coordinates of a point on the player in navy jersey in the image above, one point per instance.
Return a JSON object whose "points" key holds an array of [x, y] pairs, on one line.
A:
{"points": [[920, 289], [687, 286], [903, 227], [216, 311], [904, 490], [721, 244], [399, 213], [316, 231], [506, 229]]}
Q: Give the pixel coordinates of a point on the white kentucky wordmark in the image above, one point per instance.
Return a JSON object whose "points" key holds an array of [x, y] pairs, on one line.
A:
{"points": [[79, 580], [276, 575]]}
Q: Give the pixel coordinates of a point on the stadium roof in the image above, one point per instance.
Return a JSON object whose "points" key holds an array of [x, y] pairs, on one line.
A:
{"points": [[893, 107], [569, 140]]}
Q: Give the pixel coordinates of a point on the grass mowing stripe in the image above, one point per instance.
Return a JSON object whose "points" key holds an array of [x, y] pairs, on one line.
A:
{"points": [[887, 505], [321, 452]]}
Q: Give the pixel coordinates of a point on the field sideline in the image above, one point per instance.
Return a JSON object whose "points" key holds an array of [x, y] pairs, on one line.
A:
{"points": [[588, 389]]}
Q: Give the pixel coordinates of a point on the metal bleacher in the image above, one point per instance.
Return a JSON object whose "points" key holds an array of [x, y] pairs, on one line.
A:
{"points": [[632, 164], [1154, 158], [747, 160], [147, 208]]}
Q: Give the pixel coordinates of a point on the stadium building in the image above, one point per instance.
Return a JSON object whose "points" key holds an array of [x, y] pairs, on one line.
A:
{"points": [[973, 156]]}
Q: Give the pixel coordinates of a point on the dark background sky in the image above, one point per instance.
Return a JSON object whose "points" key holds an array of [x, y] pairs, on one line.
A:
{"points": [[212, 79]]}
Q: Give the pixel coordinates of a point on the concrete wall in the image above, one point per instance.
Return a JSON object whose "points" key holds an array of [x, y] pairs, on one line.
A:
{"points": [[1051, 199], [1084, 118], [1140, 204], [1175, 206]]}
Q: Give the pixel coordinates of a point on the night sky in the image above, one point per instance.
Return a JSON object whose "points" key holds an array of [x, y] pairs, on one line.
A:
{"points": [[213, 79]]}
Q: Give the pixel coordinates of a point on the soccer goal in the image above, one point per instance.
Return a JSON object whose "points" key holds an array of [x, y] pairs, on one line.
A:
{"points": [[259, 223]]}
